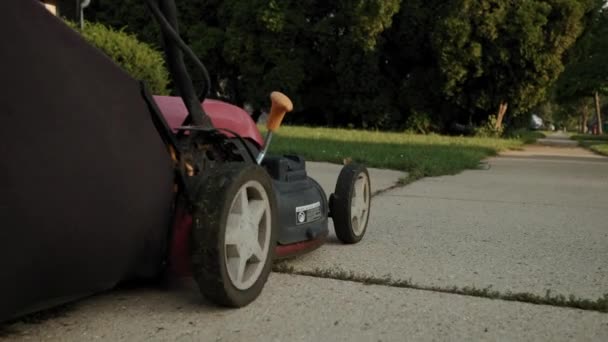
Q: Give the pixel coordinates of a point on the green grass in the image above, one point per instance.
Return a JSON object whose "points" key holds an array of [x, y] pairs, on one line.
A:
{"points": [[590, 137], [596, 143], [527, 136], [419, 155], [600, 148]]}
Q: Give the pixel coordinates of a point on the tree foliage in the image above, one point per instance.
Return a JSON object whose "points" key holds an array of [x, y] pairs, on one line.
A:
{"points": [[585, 79], [375, 63], [587, 70], [492, 52]]}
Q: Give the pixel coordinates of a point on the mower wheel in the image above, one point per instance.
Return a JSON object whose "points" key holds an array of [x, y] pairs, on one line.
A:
{"points": [[350, 203], [234, 233]]}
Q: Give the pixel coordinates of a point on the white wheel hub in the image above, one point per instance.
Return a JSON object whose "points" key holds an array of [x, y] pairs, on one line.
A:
{"points": [[359, 212], [247, 238]]}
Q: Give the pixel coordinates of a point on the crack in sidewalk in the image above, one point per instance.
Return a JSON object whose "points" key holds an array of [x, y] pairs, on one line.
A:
{"points": [[599, 305], [476, 200], [402, 182]]}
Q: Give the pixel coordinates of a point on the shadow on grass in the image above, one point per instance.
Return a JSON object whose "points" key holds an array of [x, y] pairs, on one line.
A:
{"points": [[595, 143], [419, 160], [590, 137]]}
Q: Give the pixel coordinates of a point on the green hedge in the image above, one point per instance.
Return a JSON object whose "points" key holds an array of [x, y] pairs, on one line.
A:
{"points": [[140, 60]]}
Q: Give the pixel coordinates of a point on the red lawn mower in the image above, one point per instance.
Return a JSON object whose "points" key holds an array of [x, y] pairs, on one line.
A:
{"points": [[102, 182]]}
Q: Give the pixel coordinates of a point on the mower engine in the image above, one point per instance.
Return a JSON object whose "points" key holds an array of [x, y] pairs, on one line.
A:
{"points": [[303, 208]]}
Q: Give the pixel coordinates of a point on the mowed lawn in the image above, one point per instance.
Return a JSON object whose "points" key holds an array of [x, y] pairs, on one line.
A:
{"points": [[419, 155]]}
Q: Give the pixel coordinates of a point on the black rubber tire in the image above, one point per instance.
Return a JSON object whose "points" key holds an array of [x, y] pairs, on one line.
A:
{"points": [[209, 218], [341, 203]]}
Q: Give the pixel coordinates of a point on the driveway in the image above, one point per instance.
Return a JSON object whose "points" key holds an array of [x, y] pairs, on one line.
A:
{"points": [[450, 258]]}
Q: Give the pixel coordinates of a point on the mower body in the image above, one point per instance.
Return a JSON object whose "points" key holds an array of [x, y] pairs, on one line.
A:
{"points": [[303, 206], [222, 115]]}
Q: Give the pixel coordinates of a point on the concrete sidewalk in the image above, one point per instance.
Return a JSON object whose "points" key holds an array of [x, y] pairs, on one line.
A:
{"points": [[295, 308], [525, 224], [533, 221], [558, 139]]}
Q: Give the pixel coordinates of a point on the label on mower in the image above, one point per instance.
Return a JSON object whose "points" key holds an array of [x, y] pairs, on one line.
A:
{"points": [[308, 213]]}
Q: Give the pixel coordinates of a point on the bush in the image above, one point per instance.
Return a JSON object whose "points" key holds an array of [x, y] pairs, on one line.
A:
{"points": [[489, 130], [418, 122], [138, 59]]}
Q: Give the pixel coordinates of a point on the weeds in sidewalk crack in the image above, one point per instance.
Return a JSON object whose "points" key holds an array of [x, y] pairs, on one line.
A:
{"points": [[572, 301]]}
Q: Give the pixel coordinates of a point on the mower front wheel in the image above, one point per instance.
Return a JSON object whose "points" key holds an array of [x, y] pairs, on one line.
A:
{"points": [[350, 203], [234, 233]]}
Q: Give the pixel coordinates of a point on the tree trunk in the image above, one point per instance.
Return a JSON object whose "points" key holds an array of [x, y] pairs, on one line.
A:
{"points": [[584, 117], [598, 111], [502, 110]]}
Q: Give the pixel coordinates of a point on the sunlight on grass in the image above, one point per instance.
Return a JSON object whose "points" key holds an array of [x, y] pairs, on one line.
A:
{"points": [[420, 155], [600, 148]]}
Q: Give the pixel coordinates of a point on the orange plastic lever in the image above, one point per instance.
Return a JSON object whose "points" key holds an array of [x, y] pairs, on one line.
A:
{"points": [[281, 104]]}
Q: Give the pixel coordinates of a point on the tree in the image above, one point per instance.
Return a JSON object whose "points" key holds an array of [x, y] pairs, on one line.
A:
{"points": [[493, 54], [586, 73], [374, 63], [261, 48], [408, 65], [309, 49], [344, 80]]}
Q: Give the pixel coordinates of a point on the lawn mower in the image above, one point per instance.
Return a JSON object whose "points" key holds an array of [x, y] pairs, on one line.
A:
{"points": [[102, 182]]}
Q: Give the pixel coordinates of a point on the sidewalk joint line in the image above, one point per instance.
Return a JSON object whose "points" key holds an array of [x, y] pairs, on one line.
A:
{"points": [[496, 201], [572, 302]]}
